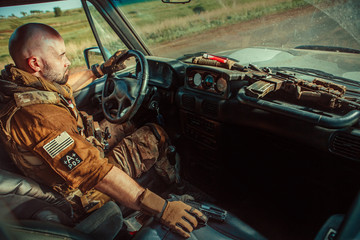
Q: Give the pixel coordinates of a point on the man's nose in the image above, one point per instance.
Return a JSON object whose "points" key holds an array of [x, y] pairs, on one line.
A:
{"points": [[67, 62]]}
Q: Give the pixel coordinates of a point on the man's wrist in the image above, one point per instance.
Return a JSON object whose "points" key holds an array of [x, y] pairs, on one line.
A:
{"points": [[159, 215], [97, 70], [151, 203]]}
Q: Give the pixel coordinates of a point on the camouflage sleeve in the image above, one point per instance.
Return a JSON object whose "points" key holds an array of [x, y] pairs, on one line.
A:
{"points": [[51, 133]]}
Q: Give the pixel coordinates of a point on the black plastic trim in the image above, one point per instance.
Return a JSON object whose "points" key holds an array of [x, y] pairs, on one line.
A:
{"points": [[329, 122]]}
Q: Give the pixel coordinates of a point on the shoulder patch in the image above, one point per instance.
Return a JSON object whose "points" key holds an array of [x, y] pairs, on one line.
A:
{"points": [[58, 144], [71, 160], [36, 97]]}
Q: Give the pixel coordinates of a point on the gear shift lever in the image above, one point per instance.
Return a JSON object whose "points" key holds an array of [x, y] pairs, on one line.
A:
{"points": [[174, 159]]}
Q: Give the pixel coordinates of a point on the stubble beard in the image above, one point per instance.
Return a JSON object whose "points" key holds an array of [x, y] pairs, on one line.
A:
{"points": [[55, 77]]}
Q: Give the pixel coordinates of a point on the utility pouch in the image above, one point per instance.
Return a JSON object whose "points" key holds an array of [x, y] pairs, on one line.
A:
{"points": [[88, 121], [92, 130], [259, 89]]}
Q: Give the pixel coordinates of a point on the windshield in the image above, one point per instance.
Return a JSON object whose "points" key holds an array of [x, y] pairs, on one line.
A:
{"points": [[261, 32], [174, 30]]}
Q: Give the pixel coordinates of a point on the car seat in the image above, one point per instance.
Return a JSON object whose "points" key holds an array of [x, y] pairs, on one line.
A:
{"points": [[30, 210]]}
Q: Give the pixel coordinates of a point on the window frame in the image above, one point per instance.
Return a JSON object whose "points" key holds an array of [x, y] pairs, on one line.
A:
{"points": [[118, 22]]}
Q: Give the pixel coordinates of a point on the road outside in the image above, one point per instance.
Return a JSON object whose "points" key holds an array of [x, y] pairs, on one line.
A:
{"points": [[305, 26]]}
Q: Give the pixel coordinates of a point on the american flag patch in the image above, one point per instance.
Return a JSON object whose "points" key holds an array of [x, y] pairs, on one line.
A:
{"points": [[61, 142]]}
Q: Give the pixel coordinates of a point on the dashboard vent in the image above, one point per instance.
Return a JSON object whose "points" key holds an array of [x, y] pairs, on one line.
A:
{"points": [[346, 145], [188, 102], [210, 108]]}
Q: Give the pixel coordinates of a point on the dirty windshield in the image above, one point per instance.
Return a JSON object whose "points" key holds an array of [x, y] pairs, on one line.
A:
{"points": [[213, 26], [174, 30]]}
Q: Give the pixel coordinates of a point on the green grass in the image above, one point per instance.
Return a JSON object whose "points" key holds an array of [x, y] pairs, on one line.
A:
{"points": [[72, 26], [217, 13], [154, 21]]}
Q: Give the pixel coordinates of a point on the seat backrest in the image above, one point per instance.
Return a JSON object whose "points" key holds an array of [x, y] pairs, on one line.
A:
{"points": [[18, 191], [26, 199], [30, 210]]}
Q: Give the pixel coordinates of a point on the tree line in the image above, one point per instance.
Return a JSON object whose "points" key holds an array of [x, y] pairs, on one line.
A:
{"points": [[57, 13]]}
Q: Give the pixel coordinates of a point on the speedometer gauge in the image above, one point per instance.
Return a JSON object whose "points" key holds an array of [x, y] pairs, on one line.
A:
{"points": [[197, 79], [208, 81]]}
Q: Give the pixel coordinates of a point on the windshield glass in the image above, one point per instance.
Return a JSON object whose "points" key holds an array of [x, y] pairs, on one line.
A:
{"points": [[174, 30], [260, 32]]}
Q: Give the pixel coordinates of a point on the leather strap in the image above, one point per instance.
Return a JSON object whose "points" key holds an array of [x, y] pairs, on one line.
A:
{"points": [[94, 69]]}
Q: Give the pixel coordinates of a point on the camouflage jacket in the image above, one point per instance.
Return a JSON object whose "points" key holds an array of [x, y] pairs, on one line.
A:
{"points": [[41, 129]]}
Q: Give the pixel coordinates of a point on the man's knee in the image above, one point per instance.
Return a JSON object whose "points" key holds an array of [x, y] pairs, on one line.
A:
{"points": [[161, 136], [139, 151], [146, 147], [117, 131]]}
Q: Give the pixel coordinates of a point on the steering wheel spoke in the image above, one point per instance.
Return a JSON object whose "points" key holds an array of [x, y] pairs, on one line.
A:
{"points": [[121, 108], [122, 112], [109, 98], [124, 96]]}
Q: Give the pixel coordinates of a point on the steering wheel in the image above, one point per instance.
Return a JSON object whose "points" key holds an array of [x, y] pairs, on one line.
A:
{"points": [[123, 96]]}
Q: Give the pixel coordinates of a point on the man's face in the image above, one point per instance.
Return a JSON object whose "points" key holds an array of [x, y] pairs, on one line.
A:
{"points": [[55, 63]]}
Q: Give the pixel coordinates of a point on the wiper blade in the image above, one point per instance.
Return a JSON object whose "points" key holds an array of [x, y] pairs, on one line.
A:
{"points": [[328, 48], [318, 73]]}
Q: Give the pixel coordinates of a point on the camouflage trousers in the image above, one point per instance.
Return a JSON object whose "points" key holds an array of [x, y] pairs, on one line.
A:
{"points": [[135, 151]]}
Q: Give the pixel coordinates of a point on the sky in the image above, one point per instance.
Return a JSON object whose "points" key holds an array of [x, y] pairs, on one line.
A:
{"points": [[7, 11]]}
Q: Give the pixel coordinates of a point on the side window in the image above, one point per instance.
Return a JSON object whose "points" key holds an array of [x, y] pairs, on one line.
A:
{"points": [[67, 17], [108, 38]]}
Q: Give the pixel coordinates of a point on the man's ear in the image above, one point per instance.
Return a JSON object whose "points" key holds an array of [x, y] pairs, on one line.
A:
{"points": [[34, 63]]}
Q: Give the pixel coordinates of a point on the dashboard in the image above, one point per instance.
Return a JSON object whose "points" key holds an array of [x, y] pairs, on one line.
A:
{"points": [[209, 98], [165, 72]]}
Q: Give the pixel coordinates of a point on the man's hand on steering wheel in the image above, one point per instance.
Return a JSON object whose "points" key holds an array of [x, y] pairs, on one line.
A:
{"points": [[113, 64], [123, 95]]}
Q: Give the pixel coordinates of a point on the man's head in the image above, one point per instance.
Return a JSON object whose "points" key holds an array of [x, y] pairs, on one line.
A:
{"points": [[40, 50]]}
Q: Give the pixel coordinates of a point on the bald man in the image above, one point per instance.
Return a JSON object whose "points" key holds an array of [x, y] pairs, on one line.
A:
{"points": [[47, 139]]}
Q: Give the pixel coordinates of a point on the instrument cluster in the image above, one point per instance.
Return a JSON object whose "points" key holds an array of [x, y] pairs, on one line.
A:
{"points": [[207, 81]]}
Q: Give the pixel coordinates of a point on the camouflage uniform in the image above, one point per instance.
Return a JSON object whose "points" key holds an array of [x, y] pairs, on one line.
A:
{"points": [[45, 136]]}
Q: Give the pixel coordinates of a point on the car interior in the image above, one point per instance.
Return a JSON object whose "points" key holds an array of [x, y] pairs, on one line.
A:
{"points": [[269, 167]]}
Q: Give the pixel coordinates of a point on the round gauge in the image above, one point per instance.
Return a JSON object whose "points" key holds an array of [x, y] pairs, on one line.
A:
{"points": [[221, 85], [197, 79], [208, 81]]}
